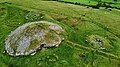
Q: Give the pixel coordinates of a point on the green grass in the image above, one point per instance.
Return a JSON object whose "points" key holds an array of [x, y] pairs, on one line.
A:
{"points": [[79, 22], [95, 2]]}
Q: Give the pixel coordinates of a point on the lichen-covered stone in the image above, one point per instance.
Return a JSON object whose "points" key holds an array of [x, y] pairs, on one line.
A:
{"points": [[30, 37]]}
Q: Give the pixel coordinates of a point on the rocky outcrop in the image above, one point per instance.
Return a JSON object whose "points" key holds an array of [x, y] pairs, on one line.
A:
{"points": [[30, 37]]}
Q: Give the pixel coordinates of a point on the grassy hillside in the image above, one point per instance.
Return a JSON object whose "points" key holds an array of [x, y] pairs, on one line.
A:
{"points": [[95, 2], [82, 25]]}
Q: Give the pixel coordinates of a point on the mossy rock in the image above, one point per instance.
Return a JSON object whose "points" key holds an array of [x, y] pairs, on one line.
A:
{"points": [[30, 37]]}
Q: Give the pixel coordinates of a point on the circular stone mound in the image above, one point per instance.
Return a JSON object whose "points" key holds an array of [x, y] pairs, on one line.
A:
{"points": [[98, 42], [30, 37]]}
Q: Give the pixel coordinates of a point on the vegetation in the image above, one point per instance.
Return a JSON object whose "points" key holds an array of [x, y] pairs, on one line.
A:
{"points": [[79, 22], [95, 3]]}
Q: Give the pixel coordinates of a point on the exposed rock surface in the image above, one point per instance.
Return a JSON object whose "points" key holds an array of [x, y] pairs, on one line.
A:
{"points": [[30, 37]]}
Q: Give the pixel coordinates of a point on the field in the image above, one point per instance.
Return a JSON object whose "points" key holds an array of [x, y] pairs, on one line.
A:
{"points": [[95, 2], [81, 24]]}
